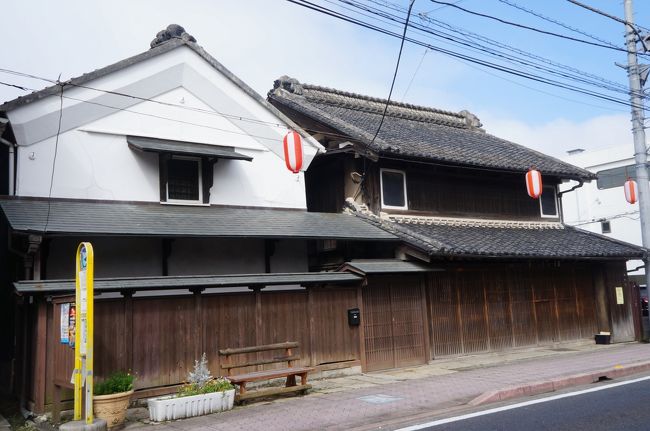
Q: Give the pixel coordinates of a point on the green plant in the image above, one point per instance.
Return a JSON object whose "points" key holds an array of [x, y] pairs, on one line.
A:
{"points": [[200, 381], [219, 384], [120, 381]]}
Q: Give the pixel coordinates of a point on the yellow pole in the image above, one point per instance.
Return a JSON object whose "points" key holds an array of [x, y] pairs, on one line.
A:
{"points": [[83, 349], [90, 308]]}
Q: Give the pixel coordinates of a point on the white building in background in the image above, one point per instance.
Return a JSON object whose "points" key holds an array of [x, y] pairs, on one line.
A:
{"points": [[600, 206]]}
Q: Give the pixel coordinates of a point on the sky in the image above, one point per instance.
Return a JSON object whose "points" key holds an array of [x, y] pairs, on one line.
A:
{"points": [[260, 40]]}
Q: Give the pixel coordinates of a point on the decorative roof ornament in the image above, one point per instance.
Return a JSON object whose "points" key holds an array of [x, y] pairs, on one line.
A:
{"points": [[173, 31], [292, 85]]}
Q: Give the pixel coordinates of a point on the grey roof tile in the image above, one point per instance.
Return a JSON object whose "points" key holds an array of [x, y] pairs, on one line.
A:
{"points": [[154, 219], [414, 131], [552, 241]]}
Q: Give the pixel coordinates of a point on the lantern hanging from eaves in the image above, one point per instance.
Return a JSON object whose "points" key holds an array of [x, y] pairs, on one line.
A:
{"points": [[534, 183], [631, 194], [293, 151]]}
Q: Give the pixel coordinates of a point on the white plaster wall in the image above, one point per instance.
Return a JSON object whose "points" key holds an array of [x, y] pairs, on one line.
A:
{"points": [[587, 205], [93, 159], [114, 257]]}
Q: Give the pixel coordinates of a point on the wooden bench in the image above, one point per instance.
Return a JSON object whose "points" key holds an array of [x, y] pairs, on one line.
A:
{"points": [[290, 372]]}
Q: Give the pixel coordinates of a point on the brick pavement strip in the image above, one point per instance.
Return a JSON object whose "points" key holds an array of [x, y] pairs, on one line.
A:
{"points": [[411, 397]]}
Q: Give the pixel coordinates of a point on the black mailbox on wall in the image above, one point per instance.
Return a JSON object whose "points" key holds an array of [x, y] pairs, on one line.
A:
{"points": [[354, 317]]}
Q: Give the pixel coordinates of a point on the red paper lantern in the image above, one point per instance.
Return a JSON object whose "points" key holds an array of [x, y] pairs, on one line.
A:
{"points": [[631, 194], [293, 151], [534, 183]]}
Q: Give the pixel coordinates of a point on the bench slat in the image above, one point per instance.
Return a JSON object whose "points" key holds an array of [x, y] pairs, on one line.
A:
{"points": [[285, 345], [271, 391], [269, 374], [261, 362]]}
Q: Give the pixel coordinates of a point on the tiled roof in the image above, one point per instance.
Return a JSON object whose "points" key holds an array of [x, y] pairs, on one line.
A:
{"points": [[493, 238], [69, 217], [414, 131]]}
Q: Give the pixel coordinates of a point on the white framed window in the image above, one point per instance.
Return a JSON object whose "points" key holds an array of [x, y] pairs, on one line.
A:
{"points": [[548, 202], [184, 182], [393, 189]]}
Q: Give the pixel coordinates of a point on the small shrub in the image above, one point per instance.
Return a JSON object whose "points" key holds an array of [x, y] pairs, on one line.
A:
{"points": [[117, 382], [200, 381]]}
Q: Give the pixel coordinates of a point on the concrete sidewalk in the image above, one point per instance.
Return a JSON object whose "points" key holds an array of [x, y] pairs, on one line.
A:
{"points": [[369, 400]]}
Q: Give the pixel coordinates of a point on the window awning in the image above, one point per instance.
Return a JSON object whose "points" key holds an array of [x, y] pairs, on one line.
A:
{"points": [[190, 282], [141, 143], [385, 266]]}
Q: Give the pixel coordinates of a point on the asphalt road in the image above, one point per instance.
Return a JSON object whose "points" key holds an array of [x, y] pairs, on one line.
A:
{"points": [[624, 407]]}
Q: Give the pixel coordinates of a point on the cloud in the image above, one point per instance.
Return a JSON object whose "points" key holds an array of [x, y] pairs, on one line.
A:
{"points": [[561, 135]]}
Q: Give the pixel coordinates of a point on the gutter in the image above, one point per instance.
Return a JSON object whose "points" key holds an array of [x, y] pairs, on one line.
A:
{"points": [[12, 147], [580, 184]]}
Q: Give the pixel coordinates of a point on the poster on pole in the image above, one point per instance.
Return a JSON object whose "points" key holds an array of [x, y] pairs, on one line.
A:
{"points": [[65, 323]]}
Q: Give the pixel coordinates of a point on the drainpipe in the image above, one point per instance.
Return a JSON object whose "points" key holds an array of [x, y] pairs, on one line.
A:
{"points": [[12, 147], [580, 184]]}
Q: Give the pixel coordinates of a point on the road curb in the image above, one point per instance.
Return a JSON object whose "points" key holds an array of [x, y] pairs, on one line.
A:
{"points": [[545, 386]]}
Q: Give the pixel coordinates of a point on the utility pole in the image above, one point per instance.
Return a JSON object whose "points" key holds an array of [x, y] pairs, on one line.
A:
{"points": [[640, 151]]}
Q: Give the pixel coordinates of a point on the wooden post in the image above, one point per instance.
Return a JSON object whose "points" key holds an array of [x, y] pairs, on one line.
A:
{"points": [[198, 324], [362, 332], [427, 319], [128, 328], [312, 329], [258, 322], [40, 356]]}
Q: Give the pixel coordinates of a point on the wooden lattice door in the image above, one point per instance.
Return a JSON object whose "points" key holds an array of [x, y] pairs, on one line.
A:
{"points": [[394, 324]]}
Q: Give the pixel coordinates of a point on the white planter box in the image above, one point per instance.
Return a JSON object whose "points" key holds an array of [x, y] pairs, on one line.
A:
{"points": [[172, 407]]}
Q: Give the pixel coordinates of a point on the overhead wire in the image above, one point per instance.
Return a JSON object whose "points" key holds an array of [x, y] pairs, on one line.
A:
{"points": [[526, 27], [471, 36], [533, 77], [483, 49], [392, 85], [557, 22], [145, 99]]}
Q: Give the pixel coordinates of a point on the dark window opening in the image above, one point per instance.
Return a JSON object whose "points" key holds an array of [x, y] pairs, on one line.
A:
{"points": [[605, 227], [548, 202], [183, 179], [393, 189]]}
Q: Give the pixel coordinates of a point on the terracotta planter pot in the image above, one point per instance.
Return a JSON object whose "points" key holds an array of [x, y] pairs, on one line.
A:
{"points": [[112, 408]]}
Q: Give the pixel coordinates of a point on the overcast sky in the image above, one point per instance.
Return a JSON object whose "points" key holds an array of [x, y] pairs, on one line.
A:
{"points": [[260, 40]]}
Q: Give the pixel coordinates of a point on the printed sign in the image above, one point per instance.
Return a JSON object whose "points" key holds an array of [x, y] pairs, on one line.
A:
{"points": [[619, 296], [65, 320], [72, 325]]}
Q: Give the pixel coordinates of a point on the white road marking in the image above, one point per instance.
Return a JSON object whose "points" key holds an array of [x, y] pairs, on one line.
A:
{"points": [[518, 405]]}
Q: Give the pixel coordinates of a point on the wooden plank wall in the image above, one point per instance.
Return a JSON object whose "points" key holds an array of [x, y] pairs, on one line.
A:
{"points": [[494, 308], [169, 333], [446, 191]]}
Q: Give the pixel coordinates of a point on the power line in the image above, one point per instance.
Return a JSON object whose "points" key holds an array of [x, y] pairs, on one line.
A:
{"points": [[392, 85], [144, 99], [56, 147], [525, 27], [471, 36], [417, 69], [612, 17], [556, 22], [492, 65], [483, 49], [116, 108]]}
